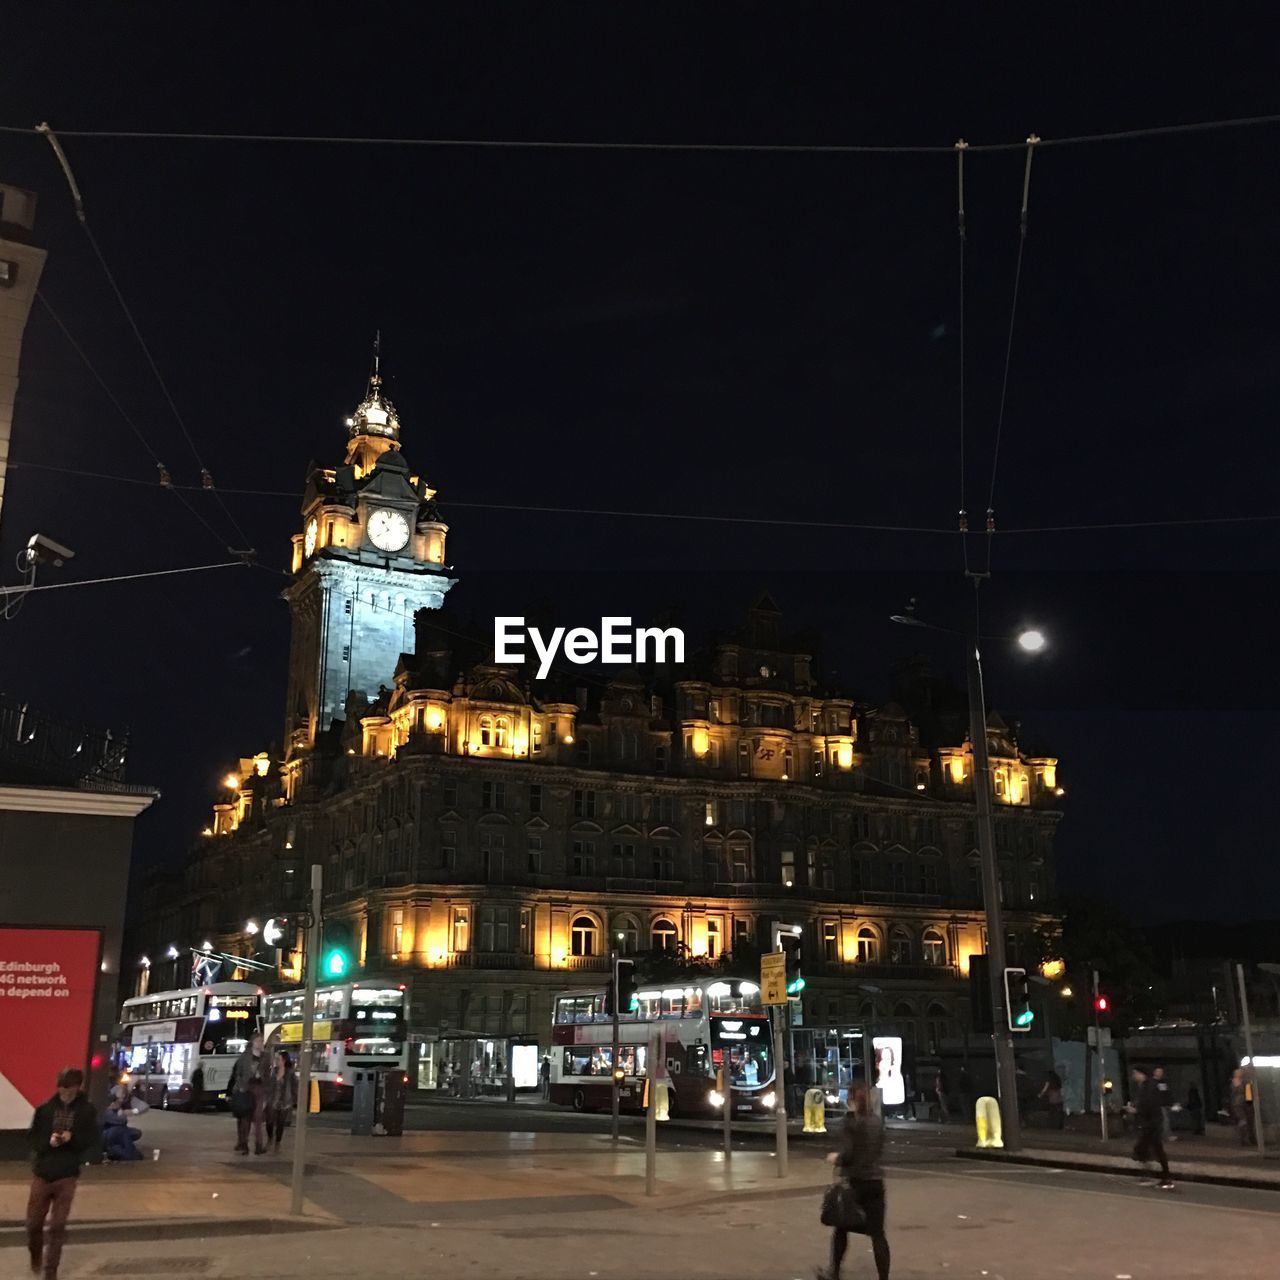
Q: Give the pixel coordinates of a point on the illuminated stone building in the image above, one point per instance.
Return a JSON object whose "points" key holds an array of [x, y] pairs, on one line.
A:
{"points": [[487, 838]]}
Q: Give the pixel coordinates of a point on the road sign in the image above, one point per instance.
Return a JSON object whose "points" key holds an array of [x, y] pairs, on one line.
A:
{"points": [[1093, 1036], [773, 977]]}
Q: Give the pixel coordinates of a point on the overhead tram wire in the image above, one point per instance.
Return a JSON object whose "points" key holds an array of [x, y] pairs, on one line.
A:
{"points": [[245, 550], [165, 481], [1103, 526], [1032, 143], [1119, 135]]}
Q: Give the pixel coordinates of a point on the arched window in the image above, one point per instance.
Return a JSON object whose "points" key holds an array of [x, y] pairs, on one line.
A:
{"points": [[486, 731], [501, 732], [584, 936], [664, 936], [933, 948], [937, 1025], [899, 946], [627, 935], [868, 945], [904, 1017], [868, 1012]]}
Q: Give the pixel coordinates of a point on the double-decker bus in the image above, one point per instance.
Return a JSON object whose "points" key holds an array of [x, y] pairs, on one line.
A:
{"points": [[704, 1028], [178, 1047], [357, 1025]]}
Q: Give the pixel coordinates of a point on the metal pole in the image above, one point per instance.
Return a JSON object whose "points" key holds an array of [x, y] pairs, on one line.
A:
{"points": [[1001, 1037], [779, 1088], [311, 962], [1253, 1071], [726, 1092], [613, 1061], [1102, 1062], [651, 1115]]}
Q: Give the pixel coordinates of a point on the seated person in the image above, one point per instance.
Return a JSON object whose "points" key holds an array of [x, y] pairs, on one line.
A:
{"points": [[119, 1138]]}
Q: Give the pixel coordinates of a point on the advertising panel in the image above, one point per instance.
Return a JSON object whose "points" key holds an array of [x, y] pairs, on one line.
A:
{"points": [[48, 980], [888, 1052]]}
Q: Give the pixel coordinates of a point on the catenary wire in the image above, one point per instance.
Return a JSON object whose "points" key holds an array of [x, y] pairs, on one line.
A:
{"points": [[123, 412], [78, 201], [1118, 135], [963, 517], [1023, 530], [124, 577]]}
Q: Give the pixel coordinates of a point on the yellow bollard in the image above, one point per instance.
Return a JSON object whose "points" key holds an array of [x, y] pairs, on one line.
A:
{"points": [[663, 1107], [815, 1111], [987, 1121], [313, 1102]]}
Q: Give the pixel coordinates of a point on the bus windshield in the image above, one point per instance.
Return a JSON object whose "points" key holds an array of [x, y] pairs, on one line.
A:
{"points": [[225, 1035], [743, 1046]]}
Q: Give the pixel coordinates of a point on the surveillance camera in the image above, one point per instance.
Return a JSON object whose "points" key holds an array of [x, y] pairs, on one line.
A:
{"points": [[42, 550]]}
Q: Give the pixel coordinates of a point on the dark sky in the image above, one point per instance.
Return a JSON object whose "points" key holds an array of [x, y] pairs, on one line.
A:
{"points": [[763, 334]]}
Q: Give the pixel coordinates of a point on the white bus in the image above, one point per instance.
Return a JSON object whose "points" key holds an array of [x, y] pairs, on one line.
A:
{"points": [[178, 1047], [706, 1027], [357, 1026]]}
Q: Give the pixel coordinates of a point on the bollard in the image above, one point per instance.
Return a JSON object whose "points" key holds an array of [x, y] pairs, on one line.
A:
{"points": [[987, 1122], [815, 1111], [664, 1100]]}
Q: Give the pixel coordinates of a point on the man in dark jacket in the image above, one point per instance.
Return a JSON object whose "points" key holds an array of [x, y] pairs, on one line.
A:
{"points": [[62, 1131], [1148, 1113]]}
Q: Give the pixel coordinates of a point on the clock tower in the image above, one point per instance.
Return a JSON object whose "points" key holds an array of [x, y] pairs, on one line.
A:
{"points": [[369, 555]]}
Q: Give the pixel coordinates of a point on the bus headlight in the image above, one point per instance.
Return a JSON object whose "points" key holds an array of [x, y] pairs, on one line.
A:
{"points": [[716, 1099], [769, 1100]]}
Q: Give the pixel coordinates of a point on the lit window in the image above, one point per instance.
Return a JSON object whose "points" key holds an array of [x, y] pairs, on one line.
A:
{"points": [[583, 936], [899, 947], [665, 936], [501, 732], [461, 928], [868, 945], [830, 945], [933, 948], [486, 731], [713, 939]]}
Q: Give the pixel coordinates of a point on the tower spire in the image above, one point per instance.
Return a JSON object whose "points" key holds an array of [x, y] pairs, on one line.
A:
{"points": [[375, 379]]}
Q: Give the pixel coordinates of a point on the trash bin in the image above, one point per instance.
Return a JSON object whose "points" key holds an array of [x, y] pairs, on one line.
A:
{"points": [[391, 1109], [815, 1110], [364, 1102]]}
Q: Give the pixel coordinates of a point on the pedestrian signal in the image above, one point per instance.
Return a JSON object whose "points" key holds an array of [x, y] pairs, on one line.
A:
{"points": [[790, 944]]}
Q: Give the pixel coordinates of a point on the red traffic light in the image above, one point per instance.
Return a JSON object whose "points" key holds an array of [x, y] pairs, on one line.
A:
{"points": [[1101, 1003]]}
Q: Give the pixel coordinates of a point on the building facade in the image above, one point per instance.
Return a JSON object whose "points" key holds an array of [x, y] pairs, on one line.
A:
{"points": [[488, 838]]}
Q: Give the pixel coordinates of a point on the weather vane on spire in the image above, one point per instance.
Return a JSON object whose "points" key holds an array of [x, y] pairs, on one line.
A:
{"points": [[376, 378]]}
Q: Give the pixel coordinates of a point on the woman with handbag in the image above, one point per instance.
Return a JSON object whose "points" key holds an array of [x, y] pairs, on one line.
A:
{"points": [[855, 1200], [247, 1091]]}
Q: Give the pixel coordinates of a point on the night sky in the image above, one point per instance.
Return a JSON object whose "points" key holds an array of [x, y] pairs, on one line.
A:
{"points": [[773, 335]]}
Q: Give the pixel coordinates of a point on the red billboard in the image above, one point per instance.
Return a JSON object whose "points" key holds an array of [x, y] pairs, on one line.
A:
{"points": [[48, 979]]}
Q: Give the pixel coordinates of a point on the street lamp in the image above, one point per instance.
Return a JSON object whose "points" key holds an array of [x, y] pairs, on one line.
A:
{"points": [[251, 927], [172, 953], [1029, 640]]}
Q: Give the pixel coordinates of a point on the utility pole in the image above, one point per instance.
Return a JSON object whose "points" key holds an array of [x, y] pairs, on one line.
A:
{"points": [[651, 1114], [311, 961], [777, 1016], [613, 1060], [1001, 1037]]}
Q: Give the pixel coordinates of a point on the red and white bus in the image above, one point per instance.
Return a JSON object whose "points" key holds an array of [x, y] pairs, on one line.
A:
{"points": [[704, 1027]]}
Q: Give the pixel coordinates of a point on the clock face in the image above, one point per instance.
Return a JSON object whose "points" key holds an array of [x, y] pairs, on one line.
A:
{"points": [[309, 539], [388, 530]]}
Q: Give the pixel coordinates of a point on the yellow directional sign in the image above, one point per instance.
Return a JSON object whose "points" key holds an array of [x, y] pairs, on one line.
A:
{"points": [[773, 977]]}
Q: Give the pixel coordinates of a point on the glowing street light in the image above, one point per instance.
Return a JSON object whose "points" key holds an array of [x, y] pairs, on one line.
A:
{"points": [[251, 927], [172, 953], [1031, 640], [232, 782]]}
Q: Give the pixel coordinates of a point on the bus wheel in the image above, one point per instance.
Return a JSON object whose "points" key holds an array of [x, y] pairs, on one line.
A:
{"points": [[579, 1100]]}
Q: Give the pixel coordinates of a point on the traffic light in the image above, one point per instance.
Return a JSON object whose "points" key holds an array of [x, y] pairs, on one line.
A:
{"points": [[336, 963], [790, 944], [1101, 1003], [980, 1015], [1017, 1000], [625, 978], [336, 951]]}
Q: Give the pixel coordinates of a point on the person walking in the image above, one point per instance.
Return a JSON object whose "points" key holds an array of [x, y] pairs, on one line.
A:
{"points": [[857, 1164], [247, 1090], [544, 1074], [1146, 1110], [1051, 1096], [940, 1092], [282, 1097], [62, 1131]]}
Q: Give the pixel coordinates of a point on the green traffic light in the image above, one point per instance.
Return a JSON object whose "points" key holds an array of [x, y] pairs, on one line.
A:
{"points": [[795, 987], [1025, 1018], [335, 964]]}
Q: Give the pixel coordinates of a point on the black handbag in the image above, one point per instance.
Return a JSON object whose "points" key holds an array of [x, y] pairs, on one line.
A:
{"points": [[840, 1207], [242, 1105]]}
